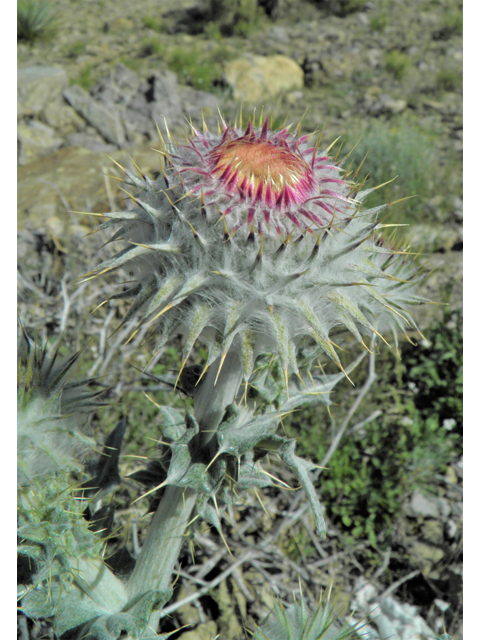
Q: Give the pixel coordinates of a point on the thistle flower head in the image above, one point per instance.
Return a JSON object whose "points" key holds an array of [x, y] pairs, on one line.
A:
{"points": [[52, 413], [255, 241], [260, 181]]}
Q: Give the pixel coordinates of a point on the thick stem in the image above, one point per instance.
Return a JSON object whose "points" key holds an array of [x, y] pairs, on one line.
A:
{"points": [[216, 393], [156, 562], [162, 545]]}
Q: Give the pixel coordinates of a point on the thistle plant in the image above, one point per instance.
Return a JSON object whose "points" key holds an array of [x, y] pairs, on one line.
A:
{"points": [[255, 244]]}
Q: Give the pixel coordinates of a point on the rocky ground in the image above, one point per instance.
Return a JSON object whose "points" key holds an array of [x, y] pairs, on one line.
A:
{"points": [[102, 83]]}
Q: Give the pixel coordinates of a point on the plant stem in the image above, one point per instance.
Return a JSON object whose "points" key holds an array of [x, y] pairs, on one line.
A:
{"points": [[156, 562], [164, 540]]}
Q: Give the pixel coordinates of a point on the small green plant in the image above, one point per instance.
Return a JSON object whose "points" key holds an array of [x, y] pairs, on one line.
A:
{"points": [[150, 47], [449, 80], [36, 20], [86, 78], [236, 17], [397, 63], [298, 622], [199, 68], [153, 23], [341, 8], [379, 22]]}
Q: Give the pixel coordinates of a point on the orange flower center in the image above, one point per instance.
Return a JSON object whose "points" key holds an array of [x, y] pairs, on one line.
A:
{"points": [[250, 165]]}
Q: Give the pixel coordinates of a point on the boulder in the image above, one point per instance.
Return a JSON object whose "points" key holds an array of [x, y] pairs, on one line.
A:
{"points": [[106, 121], [259, 78], [37, 87]]}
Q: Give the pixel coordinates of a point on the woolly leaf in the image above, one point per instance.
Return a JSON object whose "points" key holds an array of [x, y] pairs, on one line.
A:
{"points": [[174, 423], [301, 468], [133, 619], [243, 432]]}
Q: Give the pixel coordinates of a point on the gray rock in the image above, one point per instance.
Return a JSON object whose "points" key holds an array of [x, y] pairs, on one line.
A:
{"points": [[193, 100], [119, 87], [35, 140], [279, 34], [107, 121], [387, 616], [161, 92], [458, 208], [390, 105], [428, 506], [137, 121], [451, 529], [90, 140], [37, 87]]}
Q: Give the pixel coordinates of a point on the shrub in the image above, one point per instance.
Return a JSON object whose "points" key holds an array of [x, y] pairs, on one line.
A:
{"points": [[452, 24], [236, 17], [150, 47]]}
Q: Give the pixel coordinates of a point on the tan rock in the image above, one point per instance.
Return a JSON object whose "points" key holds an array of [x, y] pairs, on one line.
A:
{"points": [[426, 555], [73, 179], [259, 78]]}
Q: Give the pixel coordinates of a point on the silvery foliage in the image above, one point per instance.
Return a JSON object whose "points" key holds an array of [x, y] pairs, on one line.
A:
{"points": [[258, 288]]}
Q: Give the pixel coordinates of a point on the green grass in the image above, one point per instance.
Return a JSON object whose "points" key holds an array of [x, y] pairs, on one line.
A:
{"points": [[86, 78], [198, 68], [75, 49], [404, 151], [36, 20]]}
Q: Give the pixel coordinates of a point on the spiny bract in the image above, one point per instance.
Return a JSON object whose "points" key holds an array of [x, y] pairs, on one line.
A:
{"points": [[254, 241], [52, 413]]}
